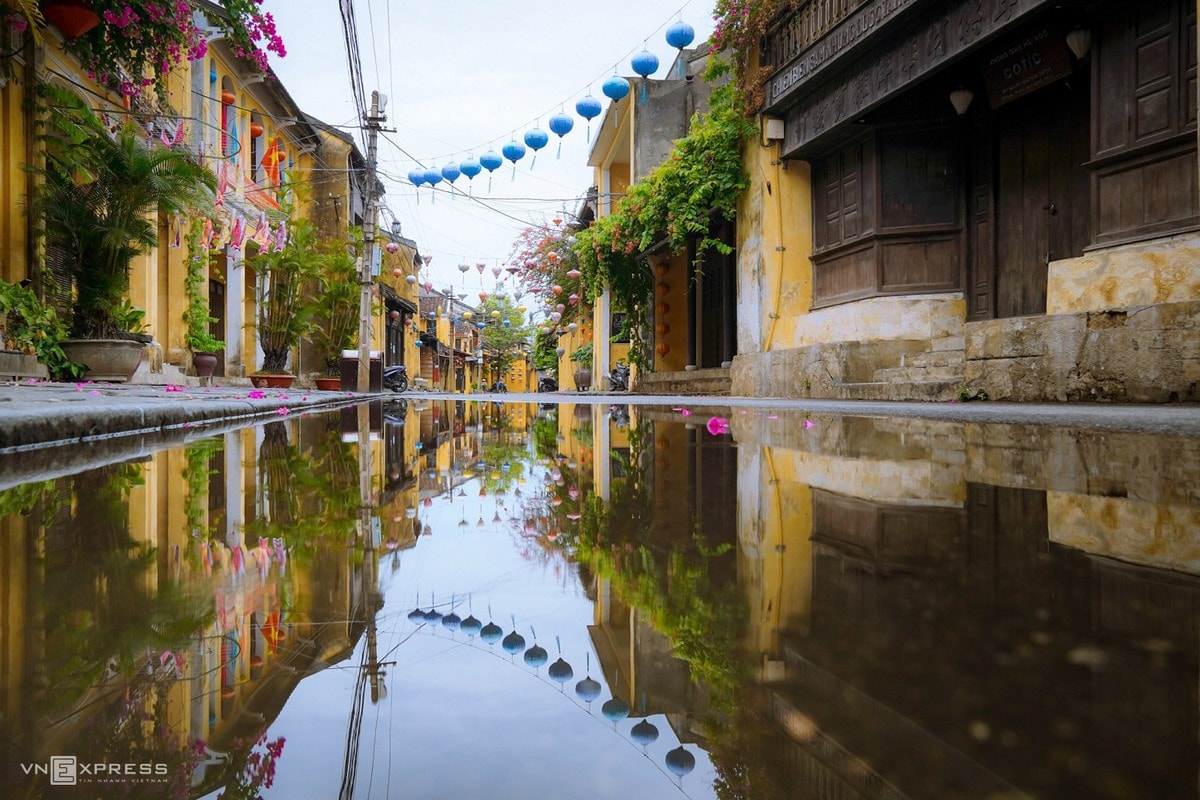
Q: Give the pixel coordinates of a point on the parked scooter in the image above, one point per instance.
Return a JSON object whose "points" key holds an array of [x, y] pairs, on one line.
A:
{"points": [[547, 384], [396, 378], [498, 387], [618, 379]]}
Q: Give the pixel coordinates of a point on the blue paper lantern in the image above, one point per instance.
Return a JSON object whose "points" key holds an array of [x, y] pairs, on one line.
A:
{"points": [[416, 176], [589, 108], [536, 139], [491, 161], [451, 172], [433, 176], [644, 64], [470, 167], [615, 87], [643, 733], [560, 125], [514, 151], [680, 35]]}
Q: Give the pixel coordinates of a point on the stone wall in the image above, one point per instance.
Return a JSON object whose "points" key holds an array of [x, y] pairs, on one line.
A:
{"points": [[1148, 354]]}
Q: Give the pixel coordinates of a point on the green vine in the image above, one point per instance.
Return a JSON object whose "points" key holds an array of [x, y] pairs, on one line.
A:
{"points": [[675, 204], [196, 474], [197, 316], [31, 326], [740, 27]]}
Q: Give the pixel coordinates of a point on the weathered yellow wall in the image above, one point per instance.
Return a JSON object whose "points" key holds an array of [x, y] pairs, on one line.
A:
{"points": [[1162, 271], [13, 180], [1156, 534]]}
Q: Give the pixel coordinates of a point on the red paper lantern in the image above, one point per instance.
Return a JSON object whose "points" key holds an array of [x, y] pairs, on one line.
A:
{"points": [[256, 129], [73, 17], [228, 97]]}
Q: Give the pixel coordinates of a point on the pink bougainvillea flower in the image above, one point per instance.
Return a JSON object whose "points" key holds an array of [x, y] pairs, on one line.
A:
{"points": [[282, 396], [94, 392], [257, 394], [718, 426], [282, 411], [170, 387], [79, 387], [683, 411], [772, 416], [808, 423]]}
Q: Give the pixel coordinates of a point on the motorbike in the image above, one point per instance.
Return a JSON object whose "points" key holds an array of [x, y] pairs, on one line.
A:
{"points": [[547, 384], [498, 387], [618, 379], [396, 378]]}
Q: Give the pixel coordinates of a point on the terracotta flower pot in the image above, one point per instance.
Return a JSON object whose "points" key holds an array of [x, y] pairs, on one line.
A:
{"points": [[204, 364], [264, 381], [329, 384]]}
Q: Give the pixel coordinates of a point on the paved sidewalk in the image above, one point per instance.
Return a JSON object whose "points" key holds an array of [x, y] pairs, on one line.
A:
{"points": [[43, 414]]}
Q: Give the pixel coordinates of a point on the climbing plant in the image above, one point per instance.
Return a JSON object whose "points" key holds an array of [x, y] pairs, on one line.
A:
{"points": [[740, 26], [676, 203]]}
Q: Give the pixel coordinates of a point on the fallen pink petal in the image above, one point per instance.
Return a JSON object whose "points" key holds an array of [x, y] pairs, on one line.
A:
{"points": [[257, 394], [772, 416], [282, 411], [808, 423], [685, 412], [718, 426], [94, 393], [170, 387]]}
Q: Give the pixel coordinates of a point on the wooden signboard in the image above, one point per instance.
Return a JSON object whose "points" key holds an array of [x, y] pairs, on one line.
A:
{"points": [[1026, 64]]}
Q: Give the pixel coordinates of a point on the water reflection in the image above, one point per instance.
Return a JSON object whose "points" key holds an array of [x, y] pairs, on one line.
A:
{"points": [[609, 602]]}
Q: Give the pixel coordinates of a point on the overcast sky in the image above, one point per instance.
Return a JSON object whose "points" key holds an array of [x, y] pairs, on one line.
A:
{"points": [[466, 76]]}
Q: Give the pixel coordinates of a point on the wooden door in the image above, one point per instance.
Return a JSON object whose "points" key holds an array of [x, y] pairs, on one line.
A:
{"points": [[216, 309], [1041, 195]]}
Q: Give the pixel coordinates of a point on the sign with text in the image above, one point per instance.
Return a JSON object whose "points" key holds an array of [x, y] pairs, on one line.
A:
{"points": [[1026, 64]]}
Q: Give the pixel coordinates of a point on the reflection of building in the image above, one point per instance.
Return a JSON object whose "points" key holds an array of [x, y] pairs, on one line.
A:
{"points": [[198, 603], [924, 632]]}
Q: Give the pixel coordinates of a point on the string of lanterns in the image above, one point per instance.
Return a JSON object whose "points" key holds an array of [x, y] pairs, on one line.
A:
{"points": [[679, 36]]}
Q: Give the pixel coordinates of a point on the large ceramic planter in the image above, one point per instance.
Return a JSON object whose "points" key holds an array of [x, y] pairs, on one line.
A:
{"points": [[205, 364], [583, 379], [106, 359], [265, 381]]}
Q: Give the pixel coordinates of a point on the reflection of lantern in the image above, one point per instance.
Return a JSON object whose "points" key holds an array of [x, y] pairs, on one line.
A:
{"points": [[574, 274], [561, 351], [556, 316], [663, 288], [662, 348], [572, 327], [495, 315], [468, 314], [397, 272], [661, 308], [556, 289], [561, 307], [411, 279], [392, 247], [521, 309], [573, 299], [394, 314], [662, 329], [552, 257]]}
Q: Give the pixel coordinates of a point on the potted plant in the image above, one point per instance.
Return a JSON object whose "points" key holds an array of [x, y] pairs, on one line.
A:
{"points": [[94, 203], [583, 373], [285, 309], [32, 333], [206, 348], [336, 313]]}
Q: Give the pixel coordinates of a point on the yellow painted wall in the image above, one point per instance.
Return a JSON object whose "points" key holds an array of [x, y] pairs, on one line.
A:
{"points": [[1162, 271], [13, 182]]}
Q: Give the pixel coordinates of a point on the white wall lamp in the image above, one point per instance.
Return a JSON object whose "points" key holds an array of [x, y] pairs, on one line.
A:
{"points": [[1080, 43], [961, 100]]}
